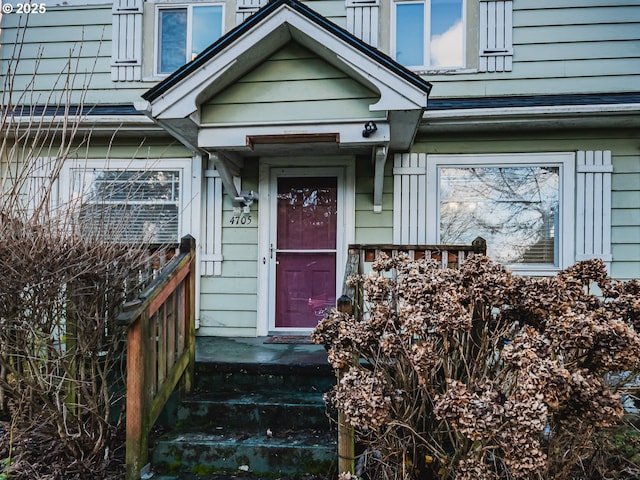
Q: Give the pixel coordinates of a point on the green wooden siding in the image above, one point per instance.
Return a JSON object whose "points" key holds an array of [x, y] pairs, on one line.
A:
{"points": [[228, 303], [292, 85], [373, 227], [70, 45], [625, 221], [566, 46]]}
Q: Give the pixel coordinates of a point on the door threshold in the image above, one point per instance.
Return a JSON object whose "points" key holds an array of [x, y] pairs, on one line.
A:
{"points": [[297, 339]]}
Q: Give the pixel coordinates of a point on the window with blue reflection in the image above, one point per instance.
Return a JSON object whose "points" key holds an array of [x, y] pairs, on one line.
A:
{"points": [[446, 45], [173, 39], [429, 33], [184, 32], [206, 29], [410, 34]]}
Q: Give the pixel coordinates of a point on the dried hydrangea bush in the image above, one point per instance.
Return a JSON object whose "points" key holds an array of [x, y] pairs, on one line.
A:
{"points": [[479, 374]]}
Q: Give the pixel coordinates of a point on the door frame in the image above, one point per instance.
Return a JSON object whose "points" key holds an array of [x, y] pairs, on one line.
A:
{"points": [[343, 168]]}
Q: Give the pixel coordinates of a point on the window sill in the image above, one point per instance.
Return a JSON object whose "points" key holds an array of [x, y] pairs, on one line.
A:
{"points": [[155, 78], [534, 270], [444, 71]]}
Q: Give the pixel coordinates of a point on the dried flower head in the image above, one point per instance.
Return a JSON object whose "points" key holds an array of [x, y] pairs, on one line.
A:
{"points": [[363, 396]]}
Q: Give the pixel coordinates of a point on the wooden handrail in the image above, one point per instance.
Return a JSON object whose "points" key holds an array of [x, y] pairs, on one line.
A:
{"points": [[449, 256], [160, 349]]}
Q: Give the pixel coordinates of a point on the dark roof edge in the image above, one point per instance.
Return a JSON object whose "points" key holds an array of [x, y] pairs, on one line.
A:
{"points": [[75, 110], [434, 104], [264, 12], [520, 101]]}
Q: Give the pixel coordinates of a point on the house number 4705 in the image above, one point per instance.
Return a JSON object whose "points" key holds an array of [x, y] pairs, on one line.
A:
{"points": [[240, 220]]}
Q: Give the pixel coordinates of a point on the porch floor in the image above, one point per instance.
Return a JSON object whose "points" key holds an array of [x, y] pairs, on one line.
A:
{"points": [[254, 351]]}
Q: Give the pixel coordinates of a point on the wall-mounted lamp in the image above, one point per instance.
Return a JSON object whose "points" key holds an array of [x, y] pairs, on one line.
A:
{"points": [[243, 202], [369, 128]]}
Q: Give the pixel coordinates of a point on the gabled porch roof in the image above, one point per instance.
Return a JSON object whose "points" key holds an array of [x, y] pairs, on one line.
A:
{"points": [[399, 95]]}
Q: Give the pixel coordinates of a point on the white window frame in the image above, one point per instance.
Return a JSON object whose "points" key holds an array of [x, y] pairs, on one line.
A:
{"points": [[183, 165], [427, 36], [175, 6], [565, 161]]}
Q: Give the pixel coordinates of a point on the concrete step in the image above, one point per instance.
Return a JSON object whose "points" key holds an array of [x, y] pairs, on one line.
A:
{"points": [[253, 412], [256, 407], [212, 377], [288, 453]]}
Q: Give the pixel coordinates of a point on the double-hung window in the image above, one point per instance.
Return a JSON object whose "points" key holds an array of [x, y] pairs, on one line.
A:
{"points": [[428, 34], [522, 204], [184, 31], [129, 202]]}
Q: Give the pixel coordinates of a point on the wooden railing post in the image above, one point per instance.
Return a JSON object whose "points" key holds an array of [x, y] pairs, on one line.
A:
{"points": [[349, 303], [136, 428], [346, 434], [188, 244]]}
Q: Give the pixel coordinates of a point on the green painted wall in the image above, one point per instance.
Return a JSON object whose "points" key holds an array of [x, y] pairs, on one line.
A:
{"points": [[229, 302], [66, 50], [293, 84], [561, 46]]}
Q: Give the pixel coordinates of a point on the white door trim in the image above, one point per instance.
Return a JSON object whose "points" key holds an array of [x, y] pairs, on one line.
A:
{"points": [[344, 169]]}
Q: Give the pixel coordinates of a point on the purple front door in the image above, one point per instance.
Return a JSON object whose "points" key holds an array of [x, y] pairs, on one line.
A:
{"points": [[305, 250]]}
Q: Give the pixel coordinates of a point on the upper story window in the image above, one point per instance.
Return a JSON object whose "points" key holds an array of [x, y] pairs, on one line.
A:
{"points": [[429, 34], [184, 31]]}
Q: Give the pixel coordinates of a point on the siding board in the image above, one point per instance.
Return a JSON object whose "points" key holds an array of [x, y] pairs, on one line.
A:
{"points": [[623, 199], [303, 69], [626, 270], [553, 4], [631, 233], [627, 164], [225, 285], [601, 15], [291, 111], [232, 303], [628, 181], [626, 216], [577, 33], [292, 91], [580, 68], [623, 252], [226, 332], [577, 51]]}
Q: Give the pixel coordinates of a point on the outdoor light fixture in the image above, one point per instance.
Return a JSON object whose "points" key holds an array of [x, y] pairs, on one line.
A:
{"points": [[243, 202], [369, 128]]}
